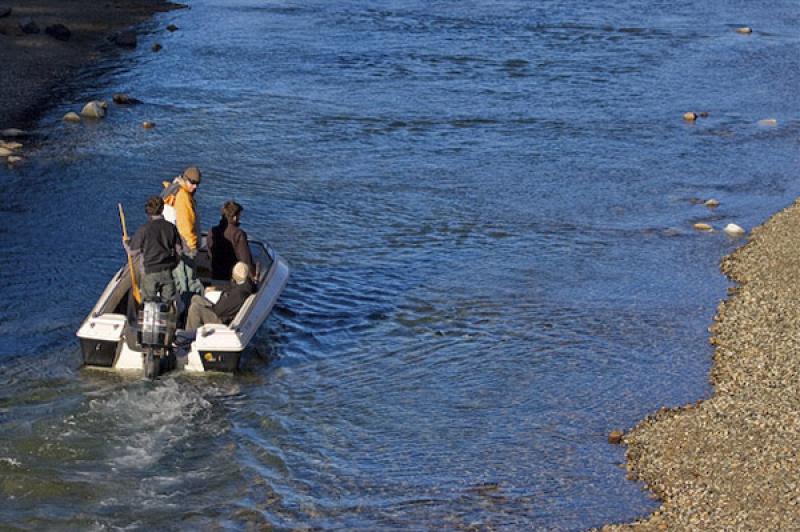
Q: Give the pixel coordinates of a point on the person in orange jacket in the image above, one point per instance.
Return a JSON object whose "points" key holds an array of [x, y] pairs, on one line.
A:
{"points": [[180, 208]]}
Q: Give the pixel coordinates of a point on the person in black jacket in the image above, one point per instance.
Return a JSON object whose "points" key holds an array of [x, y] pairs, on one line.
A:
{"points": [[227, 243], [233, 296], [158, 246]]}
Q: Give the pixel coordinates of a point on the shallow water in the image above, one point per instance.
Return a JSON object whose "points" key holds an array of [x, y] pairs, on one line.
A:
{"points": [[487, 209]]}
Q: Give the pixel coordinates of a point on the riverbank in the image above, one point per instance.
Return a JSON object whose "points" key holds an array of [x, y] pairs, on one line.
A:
{"points": [[36, 62], [730, 462]]}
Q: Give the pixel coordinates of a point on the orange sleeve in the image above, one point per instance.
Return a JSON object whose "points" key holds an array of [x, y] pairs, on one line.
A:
{"points": [[186, 218]]}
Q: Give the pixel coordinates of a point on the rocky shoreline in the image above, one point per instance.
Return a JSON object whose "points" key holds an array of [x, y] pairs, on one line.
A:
{"points": [[44, 41], [731, 462]]}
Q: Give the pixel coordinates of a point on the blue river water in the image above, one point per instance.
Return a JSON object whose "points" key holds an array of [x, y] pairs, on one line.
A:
{"points": [[487, 208]]}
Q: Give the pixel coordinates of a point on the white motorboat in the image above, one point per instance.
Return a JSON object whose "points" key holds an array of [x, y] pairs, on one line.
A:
{"points": [[110, 336]]}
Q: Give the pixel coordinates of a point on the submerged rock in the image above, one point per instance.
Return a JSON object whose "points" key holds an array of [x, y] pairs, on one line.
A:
{"points": [[14, 159], [172, 27], [768, 122], [125, 39], [703, 227], [13, 132], [124, 99], [29, 26], [72, 117], [148, 125], [58, 31], [156, 47]]}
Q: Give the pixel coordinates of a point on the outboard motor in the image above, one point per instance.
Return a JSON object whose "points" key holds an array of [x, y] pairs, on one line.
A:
{"points": [[156, 330]]}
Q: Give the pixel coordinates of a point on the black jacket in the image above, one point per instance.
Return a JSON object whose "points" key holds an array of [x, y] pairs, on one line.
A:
{"points": [[227, 244], [159, 243], [231, 300]]}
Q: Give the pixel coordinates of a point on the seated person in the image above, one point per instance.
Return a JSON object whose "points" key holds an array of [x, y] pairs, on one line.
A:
{"points": [[233, 296], [158, 246], [227, 243]]}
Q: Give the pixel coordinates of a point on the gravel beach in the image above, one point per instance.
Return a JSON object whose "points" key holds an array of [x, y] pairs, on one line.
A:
{"points": [[37, 57], [731, 462]]}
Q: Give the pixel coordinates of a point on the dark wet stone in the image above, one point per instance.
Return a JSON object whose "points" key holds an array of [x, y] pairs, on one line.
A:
{"points": [[29, 26], [172, 27], [156, 47], [58, 31], [124, 99], [125, 39]]}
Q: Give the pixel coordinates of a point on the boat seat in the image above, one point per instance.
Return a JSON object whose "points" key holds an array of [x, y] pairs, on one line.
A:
{"points": [[243, 311]]}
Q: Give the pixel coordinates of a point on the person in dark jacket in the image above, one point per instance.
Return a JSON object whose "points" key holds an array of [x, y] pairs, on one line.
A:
{"points": [[233, 296], [158, 246], [227, 243]]}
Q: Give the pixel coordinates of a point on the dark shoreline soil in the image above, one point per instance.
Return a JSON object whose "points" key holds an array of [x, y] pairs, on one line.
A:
{"points": [[35, 64]]}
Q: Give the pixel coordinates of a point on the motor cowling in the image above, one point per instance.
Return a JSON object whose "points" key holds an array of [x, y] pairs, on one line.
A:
{"points": [[156, 324]]}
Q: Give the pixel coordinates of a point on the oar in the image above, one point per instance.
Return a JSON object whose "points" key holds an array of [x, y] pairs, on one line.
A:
{"points": [[134, 288]]}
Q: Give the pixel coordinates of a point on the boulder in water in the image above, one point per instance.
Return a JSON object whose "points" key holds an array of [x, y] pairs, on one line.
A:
{"points": [[745, 30], [10, 145], [734, 230], [703, 227], [711, 203], [615, 437], [770, 122], [93, 109], [5, 152], [690, 116], [148, 125], [172, 27], [72, 117], [14, 159]]}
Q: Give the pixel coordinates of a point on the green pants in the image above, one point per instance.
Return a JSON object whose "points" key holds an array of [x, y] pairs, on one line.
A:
{"points": [[158, 282], [186, 281]]}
